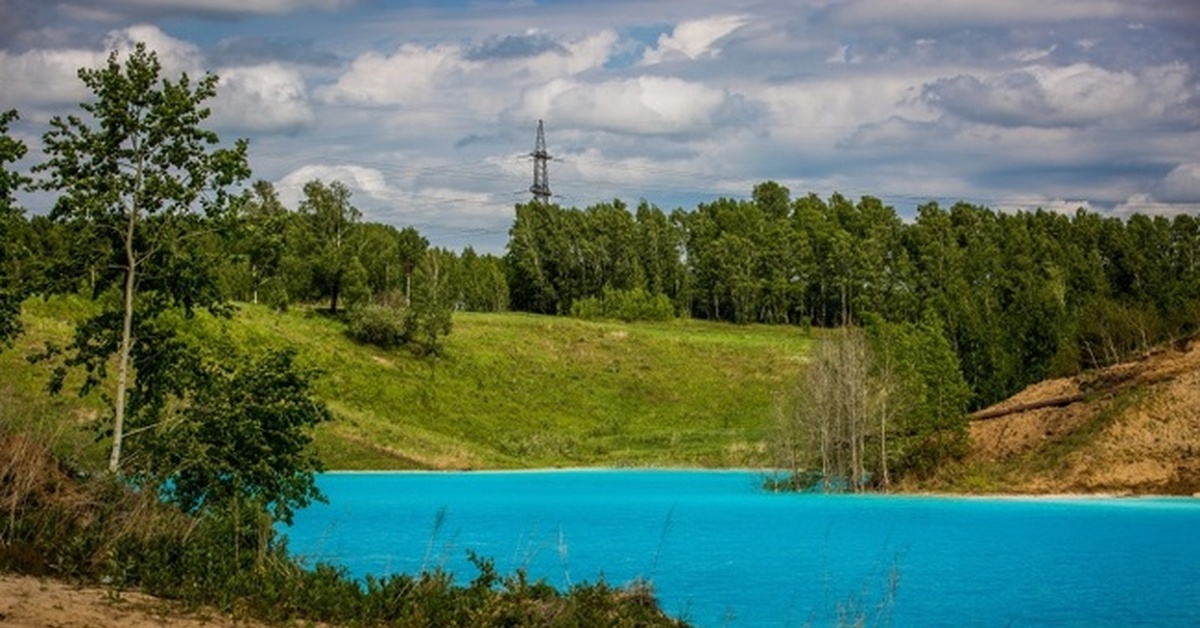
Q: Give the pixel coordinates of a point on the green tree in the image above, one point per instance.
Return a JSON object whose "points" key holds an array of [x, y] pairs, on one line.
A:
{"points": [[660, 247], [429, 316], [380, 256], [11, 218], [240, 435], [483, 284], [536, 250], [919, 395], [261, 225], [822, 437], [333, 225], [135, 171], [410, 248]]}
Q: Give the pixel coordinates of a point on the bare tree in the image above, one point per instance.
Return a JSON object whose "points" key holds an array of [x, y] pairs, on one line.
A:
{"points": [[835, 405]]}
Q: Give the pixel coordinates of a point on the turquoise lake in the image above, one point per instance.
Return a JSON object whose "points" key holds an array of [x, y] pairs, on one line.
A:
{"points": [[720, 551]]}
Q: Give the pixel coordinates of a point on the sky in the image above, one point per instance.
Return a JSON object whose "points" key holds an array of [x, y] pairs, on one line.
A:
{"points": [[427, 110]]}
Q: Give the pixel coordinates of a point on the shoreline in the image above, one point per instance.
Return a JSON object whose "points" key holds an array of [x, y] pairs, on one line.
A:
{"points": [[1015, 496]]}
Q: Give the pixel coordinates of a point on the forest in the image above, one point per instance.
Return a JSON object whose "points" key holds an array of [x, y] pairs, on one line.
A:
{"points": [[1020, 296]]}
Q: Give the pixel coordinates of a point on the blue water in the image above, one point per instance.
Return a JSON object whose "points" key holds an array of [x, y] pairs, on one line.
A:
{"points": [[719, 551]]}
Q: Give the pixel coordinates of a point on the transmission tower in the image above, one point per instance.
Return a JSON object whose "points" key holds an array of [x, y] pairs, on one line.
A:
{"points": [[541, 170]]}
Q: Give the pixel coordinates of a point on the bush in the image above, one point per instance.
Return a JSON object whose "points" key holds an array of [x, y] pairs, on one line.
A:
{"points": [[380, 325], [625, 305]]}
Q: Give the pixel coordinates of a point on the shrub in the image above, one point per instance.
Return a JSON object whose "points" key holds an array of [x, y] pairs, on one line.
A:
{"points": [[626, 305], [380, 325]]}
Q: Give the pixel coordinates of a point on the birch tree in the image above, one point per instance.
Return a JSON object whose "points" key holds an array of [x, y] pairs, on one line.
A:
{"points": [[140, 170]]}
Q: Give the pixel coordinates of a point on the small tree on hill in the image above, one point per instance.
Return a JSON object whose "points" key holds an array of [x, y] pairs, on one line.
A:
{"points": [[333, 224], [429, 316]]}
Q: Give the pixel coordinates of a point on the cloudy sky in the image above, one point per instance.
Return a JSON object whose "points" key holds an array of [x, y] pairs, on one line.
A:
{"points": [[427, 110]]}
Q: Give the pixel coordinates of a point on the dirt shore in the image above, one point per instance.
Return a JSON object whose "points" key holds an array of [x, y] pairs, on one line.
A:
{"points": [[27, 602]]}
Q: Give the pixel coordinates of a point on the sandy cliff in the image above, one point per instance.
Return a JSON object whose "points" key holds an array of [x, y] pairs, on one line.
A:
{"points": [[1130, 428]]}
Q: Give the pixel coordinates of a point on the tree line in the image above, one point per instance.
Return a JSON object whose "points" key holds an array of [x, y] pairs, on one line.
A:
{"points": [[1018, 296]]}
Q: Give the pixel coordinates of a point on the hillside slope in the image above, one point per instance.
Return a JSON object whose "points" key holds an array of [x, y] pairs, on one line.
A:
{"points": [[510, 391], [1132, 428]]}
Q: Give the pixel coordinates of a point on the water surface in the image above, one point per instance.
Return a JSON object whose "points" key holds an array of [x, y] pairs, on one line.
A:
{"points": [[719, 551]]}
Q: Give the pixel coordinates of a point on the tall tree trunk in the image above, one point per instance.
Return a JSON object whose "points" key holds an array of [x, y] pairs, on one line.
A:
{"points": [[114, 460]]}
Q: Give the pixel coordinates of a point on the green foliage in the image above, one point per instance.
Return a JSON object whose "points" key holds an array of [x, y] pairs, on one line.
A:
{"points": [[257, 234], [331, 240], [557, 256], [12, 292], [1019, 296], [509, 391], [241, 434], [429, 315], [377, 324], [625, 305], [139, 181], [482, 286], [928, 398], [873, 405]]}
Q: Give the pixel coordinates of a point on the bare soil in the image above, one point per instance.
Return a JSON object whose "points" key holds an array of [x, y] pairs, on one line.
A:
{"points": [[28, 602], [1133, 428]]}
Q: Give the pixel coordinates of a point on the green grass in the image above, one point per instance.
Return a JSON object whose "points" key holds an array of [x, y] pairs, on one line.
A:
{"points": [[510, 390]]}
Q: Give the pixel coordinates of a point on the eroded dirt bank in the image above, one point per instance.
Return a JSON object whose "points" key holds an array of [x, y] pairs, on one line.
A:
{"points": [[1133, 428]]}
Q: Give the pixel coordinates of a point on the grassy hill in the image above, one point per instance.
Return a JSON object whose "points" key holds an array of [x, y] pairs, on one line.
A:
{"points": [[511, 390]]}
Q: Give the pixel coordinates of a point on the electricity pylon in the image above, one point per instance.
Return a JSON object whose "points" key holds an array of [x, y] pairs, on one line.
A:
{"points": [[541, 170]]}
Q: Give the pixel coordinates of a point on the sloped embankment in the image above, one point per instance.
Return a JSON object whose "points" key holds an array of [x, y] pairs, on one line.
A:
{"points": [[1132, 428]]}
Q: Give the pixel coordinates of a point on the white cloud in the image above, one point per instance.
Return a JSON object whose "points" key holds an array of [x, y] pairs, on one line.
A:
{"points": [[175, 55], [1029, 55], [586, 53], [261, 7], [221, 7], [1029, 203], [360, 180], [418, 75], [840, 55], [645, 105], [267, 98], [820, 112], [1147, 204], [1052, 104], [693, 39], [408, 76], [1182, 184], [41, 77], [1073, 95], [45, 77]]}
